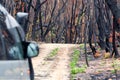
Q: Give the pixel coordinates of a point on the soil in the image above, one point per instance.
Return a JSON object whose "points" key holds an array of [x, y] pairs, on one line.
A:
{"points": [[58, 68]]}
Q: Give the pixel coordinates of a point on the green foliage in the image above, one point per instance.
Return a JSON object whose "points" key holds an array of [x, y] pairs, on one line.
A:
{"points": [[53, 53], [113, 71], [75, 58], [73, 64], [116, 64], [81, 46], [99, 49], [76, 70]]}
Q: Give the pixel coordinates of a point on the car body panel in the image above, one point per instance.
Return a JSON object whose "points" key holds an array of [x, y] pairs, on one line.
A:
{"points": [[14, 70]]}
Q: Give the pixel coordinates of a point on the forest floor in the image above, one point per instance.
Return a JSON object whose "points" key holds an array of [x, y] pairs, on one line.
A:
{"points": [[57, 66]]}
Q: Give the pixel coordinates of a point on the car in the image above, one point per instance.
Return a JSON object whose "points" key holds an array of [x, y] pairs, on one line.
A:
{"points": [[15, 51]]}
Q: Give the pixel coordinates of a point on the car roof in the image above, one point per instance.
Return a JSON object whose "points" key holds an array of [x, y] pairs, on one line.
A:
{"points": [[3, 10]]}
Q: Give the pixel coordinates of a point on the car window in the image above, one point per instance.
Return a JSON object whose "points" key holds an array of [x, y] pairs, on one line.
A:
{"points": [[10, 37], [12, 47], [2, 51]]}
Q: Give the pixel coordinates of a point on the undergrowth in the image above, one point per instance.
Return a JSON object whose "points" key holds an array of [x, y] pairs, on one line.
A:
{"points": [[53, 53], [73, 64]]}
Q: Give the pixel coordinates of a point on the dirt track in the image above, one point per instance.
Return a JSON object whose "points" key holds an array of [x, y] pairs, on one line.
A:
{"points": [[57, 68]]}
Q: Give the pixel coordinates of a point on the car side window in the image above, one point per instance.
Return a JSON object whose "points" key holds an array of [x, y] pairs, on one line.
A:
{"points": [[2, 48], [12, 48], [10, 37]]}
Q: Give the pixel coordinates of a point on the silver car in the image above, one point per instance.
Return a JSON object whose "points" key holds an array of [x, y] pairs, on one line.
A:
{"points": [[15, 51]]}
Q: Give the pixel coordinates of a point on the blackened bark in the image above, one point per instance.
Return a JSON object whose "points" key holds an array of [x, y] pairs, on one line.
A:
{"points": [[115, 51]]}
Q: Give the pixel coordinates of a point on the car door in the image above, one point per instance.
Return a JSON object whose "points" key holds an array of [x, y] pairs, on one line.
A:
{"points": [[13, 66]]}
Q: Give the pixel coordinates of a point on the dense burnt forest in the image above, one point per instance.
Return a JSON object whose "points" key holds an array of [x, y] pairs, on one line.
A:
{"points": [[70, 21], [64, 21]]}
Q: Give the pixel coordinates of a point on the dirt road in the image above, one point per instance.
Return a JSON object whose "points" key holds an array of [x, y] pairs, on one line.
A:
{"points": [[58, 67]]}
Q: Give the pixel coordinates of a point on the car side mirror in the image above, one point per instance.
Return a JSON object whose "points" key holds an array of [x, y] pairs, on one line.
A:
{"points": [[32, 50]]}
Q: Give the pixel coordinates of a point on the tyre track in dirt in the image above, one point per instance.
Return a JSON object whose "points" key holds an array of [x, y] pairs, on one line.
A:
{"points": [[56, 69]]}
